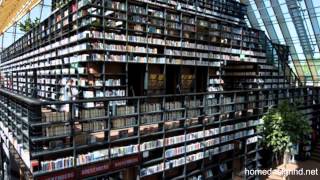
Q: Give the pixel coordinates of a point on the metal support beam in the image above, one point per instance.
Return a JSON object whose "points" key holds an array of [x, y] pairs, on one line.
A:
{"points": [[287, 37], [251, 17], [267, 21], [295, 12], [314, 22]]}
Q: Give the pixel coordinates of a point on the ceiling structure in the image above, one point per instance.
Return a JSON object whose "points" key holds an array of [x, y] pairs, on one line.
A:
{"points": [[295, 23], [12, 10]]}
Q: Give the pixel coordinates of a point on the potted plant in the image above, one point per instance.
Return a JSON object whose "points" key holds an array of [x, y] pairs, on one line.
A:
{"points": [[28, 24], [283, 126]]}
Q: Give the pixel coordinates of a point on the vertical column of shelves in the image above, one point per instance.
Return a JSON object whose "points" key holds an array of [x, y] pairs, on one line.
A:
{"points": [[172, 38], [193, 124], [173, 132], [151, 144], [52, 146], [252, 155], [137, 45], [126, 142], [124, 120], [14, 128], [92, 134]]}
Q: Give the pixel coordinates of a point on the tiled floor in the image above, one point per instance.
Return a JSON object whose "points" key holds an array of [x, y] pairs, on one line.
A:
{"points": [[306, 165]]}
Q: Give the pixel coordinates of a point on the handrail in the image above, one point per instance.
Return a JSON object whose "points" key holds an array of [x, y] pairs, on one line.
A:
{"points": [[24, 99], [34, 101]]}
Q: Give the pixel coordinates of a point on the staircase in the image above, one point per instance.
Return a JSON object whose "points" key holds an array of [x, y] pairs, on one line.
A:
{"points": [[315, 154]]}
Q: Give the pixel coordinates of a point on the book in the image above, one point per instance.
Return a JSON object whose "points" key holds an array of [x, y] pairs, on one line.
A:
{"points": [[57, 164]]}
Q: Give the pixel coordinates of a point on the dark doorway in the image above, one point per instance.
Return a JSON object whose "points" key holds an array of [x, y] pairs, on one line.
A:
{"points": [[201, 79], [172, 79], [136, 79]]}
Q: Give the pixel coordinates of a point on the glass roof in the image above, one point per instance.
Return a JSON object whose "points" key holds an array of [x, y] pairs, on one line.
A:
{"points": [[295, 23]]}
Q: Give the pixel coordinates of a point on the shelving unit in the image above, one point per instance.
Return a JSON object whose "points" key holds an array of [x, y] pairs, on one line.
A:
{"points": [[73, 43], [184, 133]]}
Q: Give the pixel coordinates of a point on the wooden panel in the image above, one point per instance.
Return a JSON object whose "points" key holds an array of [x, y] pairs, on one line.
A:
{"points": [[13, 10]]}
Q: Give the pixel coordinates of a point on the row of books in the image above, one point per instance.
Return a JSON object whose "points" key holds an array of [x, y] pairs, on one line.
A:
{"points": [[240, 99], [94, 126], [183, 160], [239, 107], [148, 129], [175, 151], [193, 113], [211, 110], [112, 57], [268, 73], [267, 67], [49, 116], [124, 122], [124, 150], [150, 107], [137, 9], [241, 134], [107, 93], [213, 100], [61, 163], [123, 48], [92, 113], [207, 133], [173, 105], [192, 103], [172, 125], [227, 100], [90, 157], [241, 73], [57, 130], [173, 115], [116, 5], [214, 81], [94, 156], [191, 121], [150, 119], [196, 146], [227, 108], [214, 89]]}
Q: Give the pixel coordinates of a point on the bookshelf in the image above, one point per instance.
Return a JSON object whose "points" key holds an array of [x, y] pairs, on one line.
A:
{"points": [[165, 143]]}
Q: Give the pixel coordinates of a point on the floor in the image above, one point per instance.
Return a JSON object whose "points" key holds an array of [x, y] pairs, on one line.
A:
{"points": [[314, 166]]}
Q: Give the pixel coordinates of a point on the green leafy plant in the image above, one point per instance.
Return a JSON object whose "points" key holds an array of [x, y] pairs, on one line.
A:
{"points": [[283, 127], [28, 24]]}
